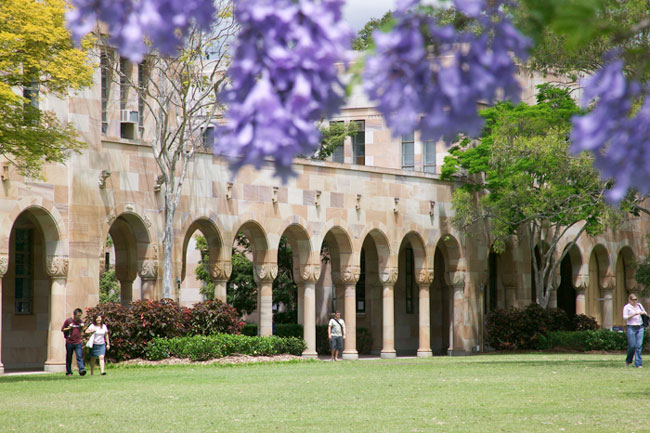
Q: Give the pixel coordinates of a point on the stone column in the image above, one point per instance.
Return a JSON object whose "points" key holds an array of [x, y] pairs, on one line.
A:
{"points": [[220, 273], [456, 341], [307, 291], [148, 271], [581, 287], [350, 279], [425, 278], [388, 279], [552, 298], [608, 307], [264, 276], [57, 269], [4, 265]]}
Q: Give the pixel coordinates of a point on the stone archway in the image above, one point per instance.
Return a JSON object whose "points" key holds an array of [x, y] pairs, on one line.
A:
{"points": [[598, 270], [624, 283], [566, 291], [33, 295], [447, 297]]}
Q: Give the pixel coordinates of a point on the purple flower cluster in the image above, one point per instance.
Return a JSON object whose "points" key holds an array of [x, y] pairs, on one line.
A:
{"points": [[614, 131], [431, 77], [284, 79], [135, 23]]}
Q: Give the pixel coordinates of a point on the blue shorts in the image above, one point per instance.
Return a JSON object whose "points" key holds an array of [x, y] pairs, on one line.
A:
{"points": [[98, 350], [336, 343]]}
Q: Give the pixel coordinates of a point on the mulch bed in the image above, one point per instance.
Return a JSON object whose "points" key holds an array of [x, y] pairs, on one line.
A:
{"points": [[234, 359]]}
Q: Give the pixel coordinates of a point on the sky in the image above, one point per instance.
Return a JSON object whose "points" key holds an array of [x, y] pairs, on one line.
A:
{"points": [[358, 12]]}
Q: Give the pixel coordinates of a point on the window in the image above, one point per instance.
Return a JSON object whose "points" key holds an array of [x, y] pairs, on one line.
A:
{"points": [[23, 270], [361, 285], [143, 75], [31, 93], [408, 152], [339, 152], [359, 143], [124, 87], [207, 137], [409, 280], [430, 156], [104, 65]]}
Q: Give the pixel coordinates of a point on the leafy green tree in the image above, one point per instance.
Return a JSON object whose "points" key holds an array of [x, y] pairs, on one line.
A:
{"points": [[285, 290], [363, 41], [37, 58], [333, 136], [523, 181], [202, 272], [109, 287]]}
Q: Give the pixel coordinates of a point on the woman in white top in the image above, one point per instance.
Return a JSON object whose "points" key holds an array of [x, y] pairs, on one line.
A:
{"points": [[632, 313], [100, 343]]}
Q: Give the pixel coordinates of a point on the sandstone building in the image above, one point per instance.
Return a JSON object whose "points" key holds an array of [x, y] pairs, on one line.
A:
{"points": [[398, 268]]}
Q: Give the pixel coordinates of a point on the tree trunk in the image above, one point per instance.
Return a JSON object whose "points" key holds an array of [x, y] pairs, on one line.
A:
{"points": [[168, 245]]}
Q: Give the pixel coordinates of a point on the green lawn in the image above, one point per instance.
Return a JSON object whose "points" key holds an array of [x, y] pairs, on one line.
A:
{"points": [[491, 393]]}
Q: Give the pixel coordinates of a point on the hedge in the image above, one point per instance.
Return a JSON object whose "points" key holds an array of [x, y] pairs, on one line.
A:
{"points": [[583, 341], [132, 327], [201, 348], [522, 328]]}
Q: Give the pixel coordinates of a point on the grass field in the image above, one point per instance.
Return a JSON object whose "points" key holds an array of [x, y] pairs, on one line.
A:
{"points": [[491, 393]]}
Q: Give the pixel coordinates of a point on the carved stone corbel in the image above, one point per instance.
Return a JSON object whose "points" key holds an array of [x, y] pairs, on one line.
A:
{"points": [[425, 277], [148, 269], [4, 264], [458, 280], [582, 282], [57, 266], [351, 274], [266, 271], [388, 276], [221, 270], [310, 273]]}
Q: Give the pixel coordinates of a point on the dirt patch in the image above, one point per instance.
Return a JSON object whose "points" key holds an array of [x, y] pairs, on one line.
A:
{"points": [[234, 359]]}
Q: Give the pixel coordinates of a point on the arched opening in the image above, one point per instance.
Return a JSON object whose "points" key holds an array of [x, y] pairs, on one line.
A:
{"points": [[201, 251], [375, 253], [411, 260], [624, 281], [26, 291], [566, 292], [598, 265], [130, 249], [441, 305], [294, 250]]}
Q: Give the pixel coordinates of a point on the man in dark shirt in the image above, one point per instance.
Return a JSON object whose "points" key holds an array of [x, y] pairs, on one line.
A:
{"points": [[73, 343]]}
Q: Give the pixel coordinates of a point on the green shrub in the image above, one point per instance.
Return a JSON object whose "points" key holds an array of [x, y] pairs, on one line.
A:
{"points": [[289, 330], [213, 317], [582, 341], [250, 329], [201, 348]]}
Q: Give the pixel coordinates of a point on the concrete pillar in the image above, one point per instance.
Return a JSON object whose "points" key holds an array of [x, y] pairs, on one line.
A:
{"points": [[148, 271], [57, 269], [552, 298], [456, 330], [220, 290], [264, 276], [608, 308], [4, 265], [424, 328], [126, 291], [580, 300], [388, 278], [306, 277], [350, 342], [511, 296]]}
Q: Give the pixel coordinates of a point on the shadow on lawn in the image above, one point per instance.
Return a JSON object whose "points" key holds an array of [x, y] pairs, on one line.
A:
{"points": [[591, 363], [45, 377]]}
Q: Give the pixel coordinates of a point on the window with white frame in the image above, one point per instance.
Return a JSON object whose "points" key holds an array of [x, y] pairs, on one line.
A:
{"points": [[408, 152], [430, 156]]}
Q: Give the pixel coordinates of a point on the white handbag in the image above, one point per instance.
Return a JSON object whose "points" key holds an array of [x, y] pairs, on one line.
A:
{"points": [[91, 341]]}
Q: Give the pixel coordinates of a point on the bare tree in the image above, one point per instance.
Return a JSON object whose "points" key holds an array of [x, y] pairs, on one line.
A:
{"points": [[180, 96]]}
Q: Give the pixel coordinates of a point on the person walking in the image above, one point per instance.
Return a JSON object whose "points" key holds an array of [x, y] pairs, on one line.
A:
{"points": [[632, 313], [98, 343], [336, 334], [73, 343]]}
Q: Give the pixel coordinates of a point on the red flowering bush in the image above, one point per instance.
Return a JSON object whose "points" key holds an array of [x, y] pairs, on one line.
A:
{"points": [[132, 327], [213, 317]]}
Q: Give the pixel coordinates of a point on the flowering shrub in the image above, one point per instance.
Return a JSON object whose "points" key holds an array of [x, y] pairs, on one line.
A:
{"points": [[201, 348], [213, 317], [120, 324], [523, 328]]}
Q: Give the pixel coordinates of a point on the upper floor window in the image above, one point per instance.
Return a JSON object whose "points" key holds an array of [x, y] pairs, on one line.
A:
{"points": [[124, 85], [105, 68], [408, 152], [23, 262], [207, 137], [143, 75], [359, 143], [31, 93], [339, 152], [430, 156]]}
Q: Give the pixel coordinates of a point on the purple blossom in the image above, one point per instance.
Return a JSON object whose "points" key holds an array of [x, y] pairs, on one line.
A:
{"points": [[284, 79], [133, 24], [438, 94], [613, 131]]}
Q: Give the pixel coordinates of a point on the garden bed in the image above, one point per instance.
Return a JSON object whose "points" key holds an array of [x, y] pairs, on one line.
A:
{"points": [[232, 359]]}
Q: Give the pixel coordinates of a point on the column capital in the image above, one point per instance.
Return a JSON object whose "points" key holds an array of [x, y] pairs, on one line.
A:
{"points": [[425, 277], [582, 282], [57, 266], [458, 280], [266, 272], [308, 273], [4, 264], [221, 270], [148, 269], [388, 276]]}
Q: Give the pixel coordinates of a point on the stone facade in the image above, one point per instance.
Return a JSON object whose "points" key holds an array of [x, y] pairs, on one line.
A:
{"points": [[422, 280]]}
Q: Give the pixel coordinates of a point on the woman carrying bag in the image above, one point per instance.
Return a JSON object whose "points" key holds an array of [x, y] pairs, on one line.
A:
{"points": [[98, 343], [633, 314]]}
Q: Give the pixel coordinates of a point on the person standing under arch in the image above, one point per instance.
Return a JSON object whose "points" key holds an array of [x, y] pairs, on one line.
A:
{"points": [[336, 334]]}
